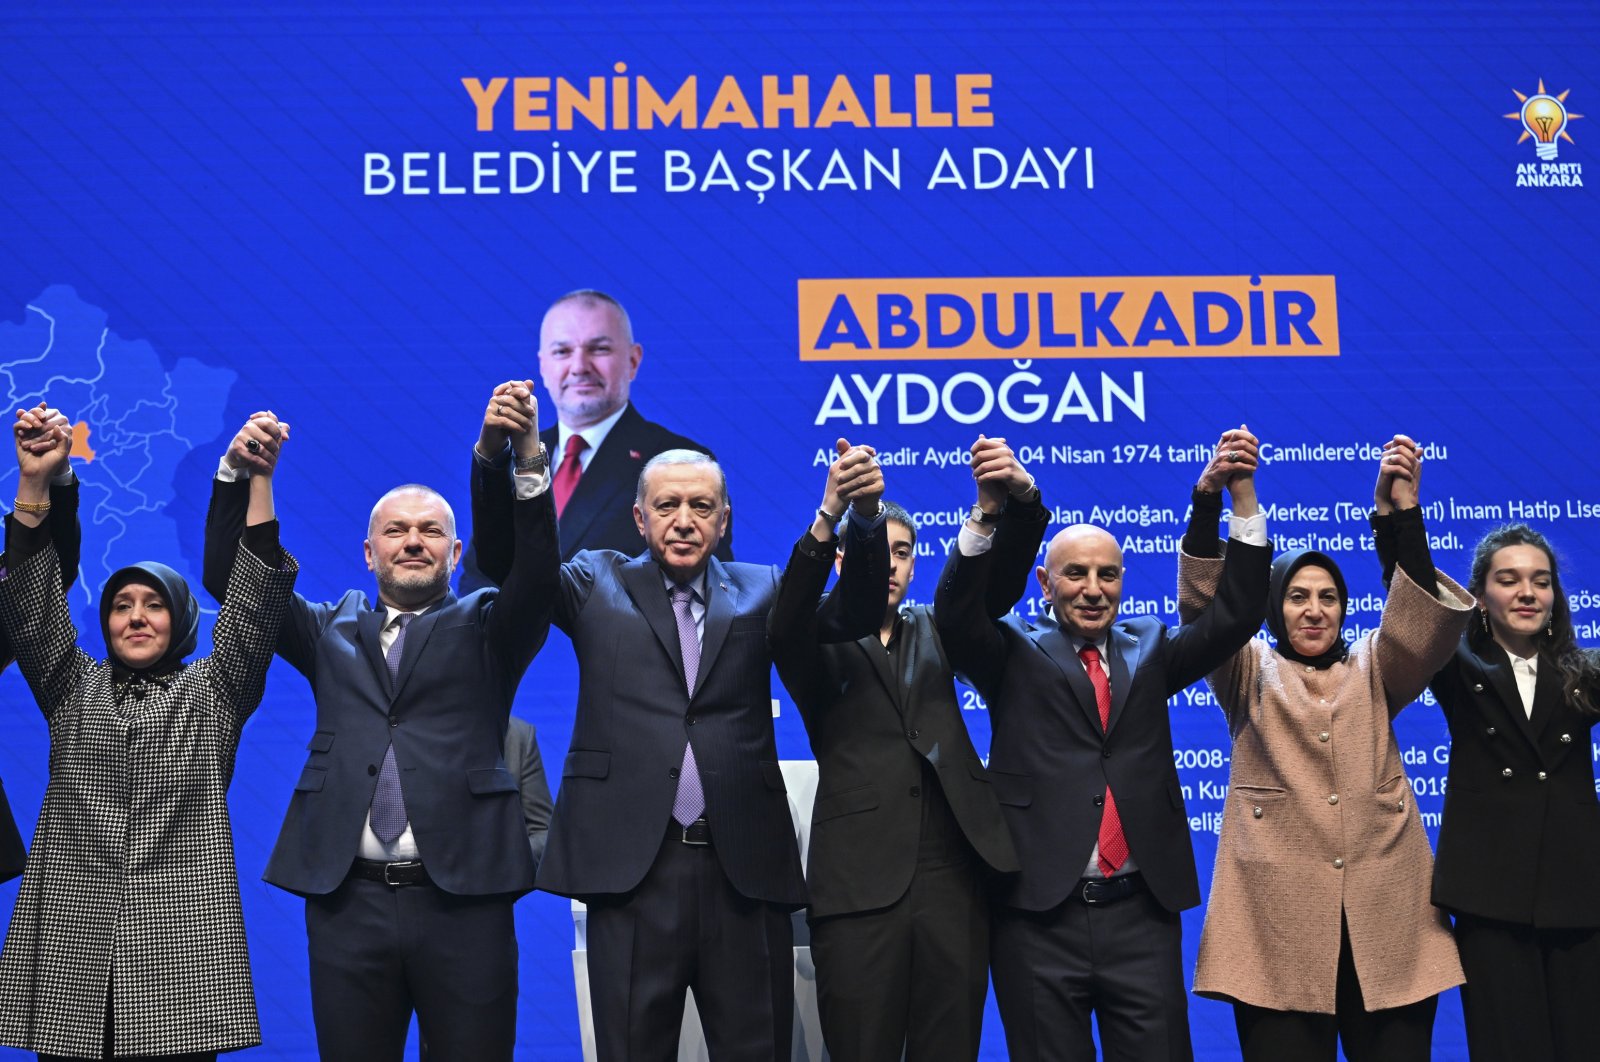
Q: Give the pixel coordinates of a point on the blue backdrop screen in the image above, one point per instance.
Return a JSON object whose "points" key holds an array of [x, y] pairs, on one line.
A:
{"points": [[1106, 233]]}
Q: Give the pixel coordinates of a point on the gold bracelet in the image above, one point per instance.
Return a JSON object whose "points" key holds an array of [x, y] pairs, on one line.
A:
{"points": [[31, 507]]}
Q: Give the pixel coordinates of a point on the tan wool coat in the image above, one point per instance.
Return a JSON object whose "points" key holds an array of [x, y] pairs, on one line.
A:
{"points": [[1319, 817]]}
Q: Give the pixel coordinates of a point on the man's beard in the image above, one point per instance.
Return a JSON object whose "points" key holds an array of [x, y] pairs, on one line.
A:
{"points": [[402, 584]]}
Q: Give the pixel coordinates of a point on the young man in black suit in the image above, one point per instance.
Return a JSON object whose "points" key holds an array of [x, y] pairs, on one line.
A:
{"points": [[905, 832]]}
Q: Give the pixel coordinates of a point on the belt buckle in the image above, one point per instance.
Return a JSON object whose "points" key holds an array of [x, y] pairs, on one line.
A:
{"points": [[1083, 890], [703, 825], [405, 866]]}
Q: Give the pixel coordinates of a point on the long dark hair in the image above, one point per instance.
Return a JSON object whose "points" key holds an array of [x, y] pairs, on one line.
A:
{"points": [[1580, 668]]}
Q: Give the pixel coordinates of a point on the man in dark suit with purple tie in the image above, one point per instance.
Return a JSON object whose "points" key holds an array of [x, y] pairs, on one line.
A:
{"points": [[672, 820]]}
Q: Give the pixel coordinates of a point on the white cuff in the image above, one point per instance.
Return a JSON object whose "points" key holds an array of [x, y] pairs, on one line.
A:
{"points": [[531, 484], [971, 543], [228, 474], [1251, 530]]}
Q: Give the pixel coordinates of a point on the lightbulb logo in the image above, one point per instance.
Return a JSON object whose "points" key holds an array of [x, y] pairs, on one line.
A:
{"points": [[1544, 118]]}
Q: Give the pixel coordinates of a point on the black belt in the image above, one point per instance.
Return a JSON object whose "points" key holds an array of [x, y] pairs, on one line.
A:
{"points": [[411, 872], [697, 833], [1098, 892]]}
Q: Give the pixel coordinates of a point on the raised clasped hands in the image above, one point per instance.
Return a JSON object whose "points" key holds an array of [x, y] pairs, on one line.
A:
{"points": [[1399, 475], [512, 415], [997, 472], [44, 441], [854, 478], [1235, 457], [257, 445]]}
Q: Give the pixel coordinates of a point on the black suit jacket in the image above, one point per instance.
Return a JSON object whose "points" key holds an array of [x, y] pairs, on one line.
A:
{"points": [[67, 536], [1049, 758], [1520, 838], [874, 729], [599, 515], [446, 715], [634, 711]]}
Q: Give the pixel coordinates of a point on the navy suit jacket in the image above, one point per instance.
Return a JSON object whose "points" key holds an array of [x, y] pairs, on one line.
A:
{"points": [[634, 712], [599, 515], [446, 716], [67, 536], [1050, 760]]}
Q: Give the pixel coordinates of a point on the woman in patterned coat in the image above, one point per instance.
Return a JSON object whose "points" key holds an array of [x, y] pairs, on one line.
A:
{"points": [[64, 502], [1319, 927], [127, 937]]}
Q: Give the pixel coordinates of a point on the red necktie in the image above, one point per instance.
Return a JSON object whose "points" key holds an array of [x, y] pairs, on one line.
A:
{"points": [[569, 473], [1113, 845]]}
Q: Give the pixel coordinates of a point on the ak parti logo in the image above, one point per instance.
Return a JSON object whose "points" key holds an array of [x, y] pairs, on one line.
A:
{"points": [[1544, 120]]}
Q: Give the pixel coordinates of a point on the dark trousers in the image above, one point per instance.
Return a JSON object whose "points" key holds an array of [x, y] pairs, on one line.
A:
{"points": [[913, 975], [686, 927], [1531, 993], [1398, 1034], [379, 952], [1120, 963]]}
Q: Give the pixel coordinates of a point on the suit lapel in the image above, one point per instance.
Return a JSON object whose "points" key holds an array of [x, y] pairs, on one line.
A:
{"points": [[721, 602], [417, 633], [641, 577], [1124, 650], [1547, 698], [881, 664], [369, 625], [1497, 671], [1058, 647]]}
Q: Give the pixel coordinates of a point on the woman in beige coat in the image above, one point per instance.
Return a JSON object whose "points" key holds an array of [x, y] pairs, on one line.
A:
{"points": [[1319, 927]]}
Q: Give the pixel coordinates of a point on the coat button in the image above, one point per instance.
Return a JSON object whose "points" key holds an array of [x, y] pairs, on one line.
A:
{"points": [[1105, 754], [691, 720], [916, 791], [1099, 801], [1543, 776], [1322, 736], [1338, 864], [1309, 668], [1477, 687], [1256, 812], [1506, 773], [1400, 805], [1333, 798], [912, 734], [672, 772], [1490, 731], [394, 720], [1566, 739], [372, 769]]}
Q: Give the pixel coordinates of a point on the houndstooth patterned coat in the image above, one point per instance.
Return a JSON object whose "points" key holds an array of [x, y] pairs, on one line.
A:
{"points": [[132, 871]]}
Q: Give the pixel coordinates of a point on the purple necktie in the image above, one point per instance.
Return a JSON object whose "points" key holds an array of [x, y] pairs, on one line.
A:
{"points": [[388, 804], [690, 802]]}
